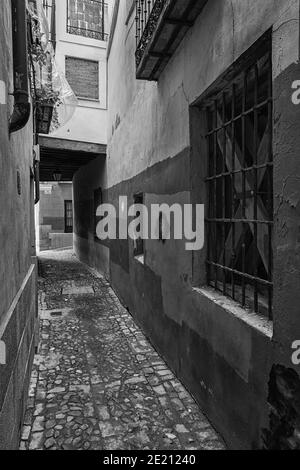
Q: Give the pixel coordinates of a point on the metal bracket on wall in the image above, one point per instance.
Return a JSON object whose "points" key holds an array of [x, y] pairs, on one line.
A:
{"points": [[36, 152]]}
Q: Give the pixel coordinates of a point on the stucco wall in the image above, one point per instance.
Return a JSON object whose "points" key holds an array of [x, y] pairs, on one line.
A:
{"points": [[218, 38], [17, 262], [88, 249], [222, 354], [88, 124]]}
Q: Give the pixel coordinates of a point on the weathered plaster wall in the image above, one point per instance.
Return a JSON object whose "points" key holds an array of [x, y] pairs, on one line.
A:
{"points": [[17, 262], [287, 197], [87, 247], [283, 431], [223, 354], [218, 38], [89, 122], [220, 353]]}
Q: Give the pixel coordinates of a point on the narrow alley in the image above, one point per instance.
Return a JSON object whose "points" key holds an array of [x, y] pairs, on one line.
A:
{"points": [[149, 227], [97, 383]]}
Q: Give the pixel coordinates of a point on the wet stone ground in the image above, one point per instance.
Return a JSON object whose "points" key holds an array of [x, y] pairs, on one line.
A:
{"points": [[97, 383]]}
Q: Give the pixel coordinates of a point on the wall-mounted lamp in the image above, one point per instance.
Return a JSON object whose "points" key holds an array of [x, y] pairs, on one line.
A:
{"points": [[57, 176]]}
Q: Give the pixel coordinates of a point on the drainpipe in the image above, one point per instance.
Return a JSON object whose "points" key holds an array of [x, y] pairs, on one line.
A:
{"points": [[36, 170], [21, 112], [37, 181], [53, 25]]}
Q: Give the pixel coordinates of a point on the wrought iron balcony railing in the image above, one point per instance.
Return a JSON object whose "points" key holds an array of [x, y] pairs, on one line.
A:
{"points": [[160, 27], [145, 9]]}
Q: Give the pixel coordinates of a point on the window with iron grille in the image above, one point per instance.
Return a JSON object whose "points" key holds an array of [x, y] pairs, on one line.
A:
{"points": [[68, 217], [240, 185], [87, 18]]}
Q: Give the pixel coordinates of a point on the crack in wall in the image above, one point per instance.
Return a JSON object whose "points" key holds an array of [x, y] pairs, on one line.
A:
{"points": [[281, 196], [233, 30], [284, 402]]}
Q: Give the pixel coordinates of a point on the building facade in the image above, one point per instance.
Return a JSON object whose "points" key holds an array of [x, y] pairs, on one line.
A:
{"points": [[81, 36], [17, 254], [55, 216], [204, 114]]}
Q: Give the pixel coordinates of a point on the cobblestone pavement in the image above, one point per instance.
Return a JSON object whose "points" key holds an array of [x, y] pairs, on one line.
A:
{"points": [[97, 383]]}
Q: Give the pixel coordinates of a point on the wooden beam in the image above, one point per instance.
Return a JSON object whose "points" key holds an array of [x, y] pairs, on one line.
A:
{"points": [[72, 145]]}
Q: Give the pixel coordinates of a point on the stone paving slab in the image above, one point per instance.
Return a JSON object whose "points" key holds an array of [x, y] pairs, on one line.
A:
{"points": [[73, 289], [97, 383]]}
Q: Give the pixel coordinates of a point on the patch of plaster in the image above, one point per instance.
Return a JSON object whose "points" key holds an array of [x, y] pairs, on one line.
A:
{"points": [[284, 402]]}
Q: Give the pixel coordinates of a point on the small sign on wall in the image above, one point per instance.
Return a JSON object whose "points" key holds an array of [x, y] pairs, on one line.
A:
{"points": [[2, 353]]}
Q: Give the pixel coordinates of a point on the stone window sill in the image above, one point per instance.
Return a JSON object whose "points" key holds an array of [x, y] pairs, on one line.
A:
{"points": [[256, 321]]}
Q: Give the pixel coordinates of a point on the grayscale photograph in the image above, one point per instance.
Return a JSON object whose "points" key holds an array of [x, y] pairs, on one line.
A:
{"points": [[149, 228]]}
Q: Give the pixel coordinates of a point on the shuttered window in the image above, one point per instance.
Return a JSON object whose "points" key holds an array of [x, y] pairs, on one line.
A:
{"points": [[83, 77]]}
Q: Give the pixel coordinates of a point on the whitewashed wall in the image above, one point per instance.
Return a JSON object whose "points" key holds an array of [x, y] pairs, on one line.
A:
{"points": [[89, 123]]}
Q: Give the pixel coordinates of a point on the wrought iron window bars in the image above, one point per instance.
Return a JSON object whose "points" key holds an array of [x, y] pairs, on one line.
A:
{"points": [[240, 188]]}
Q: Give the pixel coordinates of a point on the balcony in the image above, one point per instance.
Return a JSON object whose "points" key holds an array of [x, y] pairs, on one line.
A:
{"points": [[160, 27]]}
